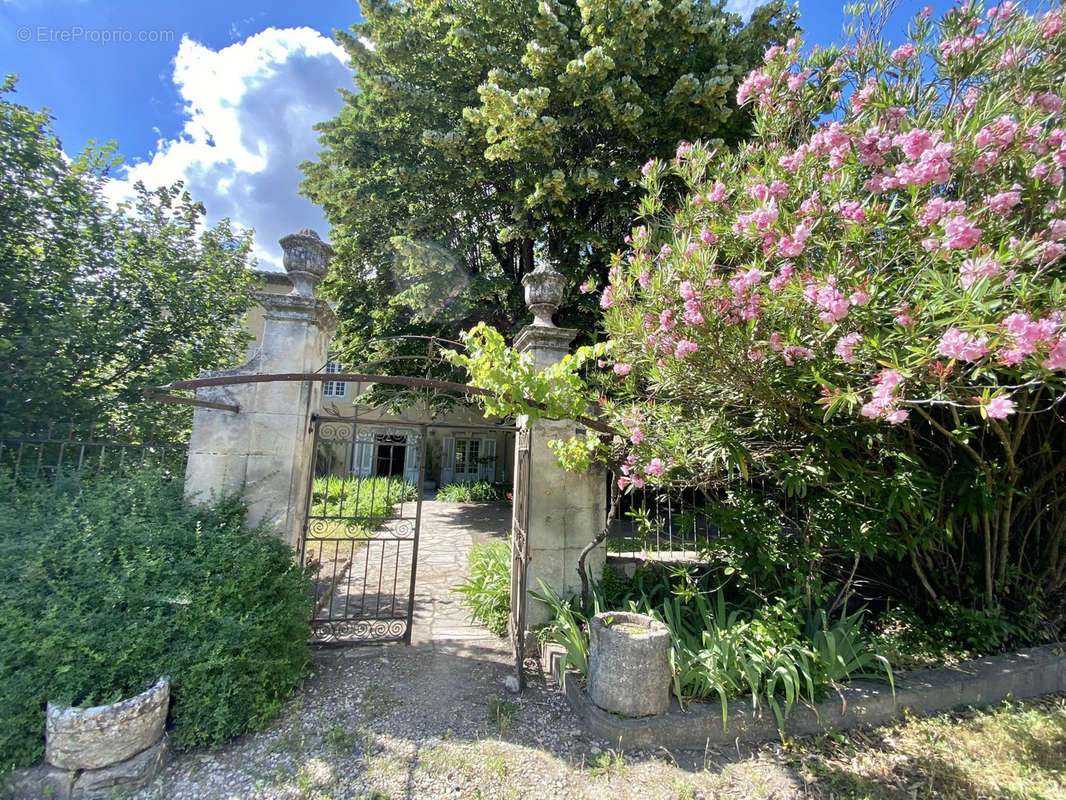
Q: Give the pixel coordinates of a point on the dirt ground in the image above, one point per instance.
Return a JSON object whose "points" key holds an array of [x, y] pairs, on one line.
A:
{"points": [[434, 720]]}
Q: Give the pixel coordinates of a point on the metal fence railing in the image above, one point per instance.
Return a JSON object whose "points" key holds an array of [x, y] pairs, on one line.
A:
{"points": [[55, 449], [657, 524], [662, 526]]}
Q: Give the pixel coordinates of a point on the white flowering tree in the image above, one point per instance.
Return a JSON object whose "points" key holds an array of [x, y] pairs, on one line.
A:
{"points": [[864, 305]]}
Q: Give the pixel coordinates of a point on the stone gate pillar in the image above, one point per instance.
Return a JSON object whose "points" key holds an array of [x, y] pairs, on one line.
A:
{"points": [[264, 450], [565, 510]]}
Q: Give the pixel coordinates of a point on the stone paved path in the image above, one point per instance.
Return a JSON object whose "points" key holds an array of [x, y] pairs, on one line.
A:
{"points": [[449, 531]]}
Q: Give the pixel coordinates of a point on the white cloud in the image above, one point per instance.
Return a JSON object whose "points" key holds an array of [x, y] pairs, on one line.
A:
{"points": [[743, 7], [250, 108]]}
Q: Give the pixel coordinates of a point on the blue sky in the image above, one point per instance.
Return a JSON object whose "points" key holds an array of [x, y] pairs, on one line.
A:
{"points": [[220, 93]]}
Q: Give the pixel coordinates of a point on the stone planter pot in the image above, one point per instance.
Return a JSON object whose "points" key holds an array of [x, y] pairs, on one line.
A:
{"points": [[91, 738], [629, 664]]}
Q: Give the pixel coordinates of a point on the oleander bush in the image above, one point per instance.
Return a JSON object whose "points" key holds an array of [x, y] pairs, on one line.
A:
{"points": [[487, 590], [862, 310], [106, 585]]}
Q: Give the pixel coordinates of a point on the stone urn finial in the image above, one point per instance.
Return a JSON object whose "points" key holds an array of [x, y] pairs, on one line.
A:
{"points": [[544, 293], [306, 259]]}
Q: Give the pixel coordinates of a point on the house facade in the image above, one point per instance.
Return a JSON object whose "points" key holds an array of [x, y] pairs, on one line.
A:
{"points": [[461, 444]]}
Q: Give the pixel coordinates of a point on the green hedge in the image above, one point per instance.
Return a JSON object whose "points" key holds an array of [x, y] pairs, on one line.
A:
{"points": [[105, 586]]}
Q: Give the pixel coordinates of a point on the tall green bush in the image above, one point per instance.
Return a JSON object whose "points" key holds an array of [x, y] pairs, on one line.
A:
{"points": [[106, 585]]}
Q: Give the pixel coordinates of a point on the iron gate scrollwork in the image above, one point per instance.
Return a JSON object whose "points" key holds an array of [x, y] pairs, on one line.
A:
{"points": [[361, 536], [519, 552]]}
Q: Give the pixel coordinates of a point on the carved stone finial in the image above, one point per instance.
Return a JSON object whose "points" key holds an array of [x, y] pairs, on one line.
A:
{"points": [[306, 259], [544, 293]]}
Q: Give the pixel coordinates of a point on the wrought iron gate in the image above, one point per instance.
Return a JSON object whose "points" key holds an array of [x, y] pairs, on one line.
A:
{"points": [[519, 552], [364, 503]]}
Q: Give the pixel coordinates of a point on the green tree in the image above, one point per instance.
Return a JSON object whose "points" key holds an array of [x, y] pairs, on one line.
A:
{"points": [[99, 303], [484, 133]]}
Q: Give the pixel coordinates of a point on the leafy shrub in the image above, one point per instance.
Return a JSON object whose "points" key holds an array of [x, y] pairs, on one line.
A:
{"points": [[467, 491], [487, 592], [350, 496], [106, 585]]}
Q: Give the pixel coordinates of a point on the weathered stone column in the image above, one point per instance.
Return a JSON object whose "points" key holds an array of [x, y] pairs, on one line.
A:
{"points": [[264, 450], [566, 509]]}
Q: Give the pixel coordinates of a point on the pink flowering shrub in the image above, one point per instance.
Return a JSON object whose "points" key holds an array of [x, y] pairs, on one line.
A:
{"points": [[870, 295]]}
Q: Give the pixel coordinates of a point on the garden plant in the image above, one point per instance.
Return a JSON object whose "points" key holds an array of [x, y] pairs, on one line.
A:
{"points": [[849, 332]]}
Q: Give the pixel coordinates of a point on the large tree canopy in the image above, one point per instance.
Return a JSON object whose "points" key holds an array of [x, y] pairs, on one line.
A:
{"points": [[486, 132], [98, 303]]}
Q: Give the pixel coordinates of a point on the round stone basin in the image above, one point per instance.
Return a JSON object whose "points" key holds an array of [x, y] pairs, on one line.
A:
{"points": [[90, 738], [629, 664]]}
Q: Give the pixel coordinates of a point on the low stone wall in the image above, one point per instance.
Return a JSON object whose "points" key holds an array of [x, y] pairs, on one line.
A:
{"points": [[1029, 673], [100, 752]]}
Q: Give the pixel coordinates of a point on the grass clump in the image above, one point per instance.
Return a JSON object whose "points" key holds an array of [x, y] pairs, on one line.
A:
{"points": [[106, 585], [468, 492], [487, 591]]}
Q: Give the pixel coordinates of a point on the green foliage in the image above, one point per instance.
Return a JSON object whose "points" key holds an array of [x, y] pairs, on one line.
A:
{"points": [[467, 492], [484, 133], [369, 498], [106, 585], [569, 628], [487, 590], [98, 304], [725, 651]]}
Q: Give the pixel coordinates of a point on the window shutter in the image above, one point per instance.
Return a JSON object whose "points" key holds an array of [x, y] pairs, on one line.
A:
{"points": [[486, 468], [447, 461], [363, 454], [411, 454]]}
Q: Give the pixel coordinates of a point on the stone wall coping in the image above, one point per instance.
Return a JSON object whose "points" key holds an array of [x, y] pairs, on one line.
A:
{"points": [[985, 681], [297, 307], [538, 336]]}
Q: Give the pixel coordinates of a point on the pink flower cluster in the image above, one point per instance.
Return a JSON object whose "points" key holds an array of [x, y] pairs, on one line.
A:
{"points": [[960, 233], [999, 133], [635, 475], [758, 84], [684, 347], [962, 346], [845, 347], [949, 48], [829, 298], [1028, 335], [973, 269], [998, 407], [1003, 202], [903, 53], [884, 402], [932, 167]]}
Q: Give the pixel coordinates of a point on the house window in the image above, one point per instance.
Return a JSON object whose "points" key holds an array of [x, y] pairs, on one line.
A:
{"points": [[467, 452], [334, 388]]}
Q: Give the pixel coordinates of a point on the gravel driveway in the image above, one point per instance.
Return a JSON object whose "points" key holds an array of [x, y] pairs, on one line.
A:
{"points": [[434, 720]]}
